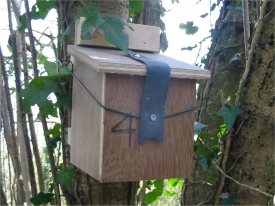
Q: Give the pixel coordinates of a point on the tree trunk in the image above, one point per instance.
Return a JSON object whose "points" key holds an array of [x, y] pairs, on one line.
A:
{"points": [[250, 158], [252, 150]]}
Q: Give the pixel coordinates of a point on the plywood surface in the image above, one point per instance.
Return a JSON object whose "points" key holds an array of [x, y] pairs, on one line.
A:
{"points": [[87, 121], [141, 37], [115, 61], [127, 160]]}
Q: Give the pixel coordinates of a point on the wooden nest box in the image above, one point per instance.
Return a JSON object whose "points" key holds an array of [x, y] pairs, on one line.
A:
{"points": [[108, 94]]}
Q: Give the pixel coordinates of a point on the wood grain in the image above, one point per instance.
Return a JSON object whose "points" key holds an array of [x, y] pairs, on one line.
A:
{"points": [[87, 121], [141, 37], [115, 61], [124, 161]]}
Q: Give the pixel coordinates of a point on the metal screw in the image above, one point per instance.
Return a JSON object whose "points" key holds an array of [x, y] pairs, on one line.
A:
{"points": [[137, 55], [153, 117]]}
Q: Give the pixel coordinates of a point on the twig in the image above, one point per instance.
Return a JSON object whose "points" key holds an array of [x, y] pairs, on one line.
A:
{"points": [[241, 184], [246, 27], [254, 42], [227, 47]]}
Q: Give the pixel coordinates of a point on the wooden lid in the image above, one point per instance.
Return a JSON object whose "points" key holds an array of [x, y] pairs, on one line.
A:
{"points": [[115, 61]]}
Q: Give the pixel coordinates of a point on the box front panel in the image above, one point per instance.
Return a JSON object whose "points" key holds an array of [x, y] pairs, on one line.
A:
{"points": [[87, 120], [124, 159]]}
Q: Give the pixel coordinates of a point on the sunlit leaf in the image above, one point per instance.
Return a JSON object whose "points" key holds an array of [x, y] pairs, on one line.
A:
{"points": [[37, 93], [153, 195], [136, 7]]}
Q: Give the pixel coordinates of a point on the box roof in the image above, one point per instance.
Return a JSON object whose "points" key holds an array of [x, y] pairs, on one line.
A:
{"points": [[115, 61]]}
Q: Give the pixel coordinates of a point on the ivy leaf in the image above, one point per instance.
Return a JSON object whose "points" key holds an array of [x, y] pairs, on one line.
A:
{"points": [[203, 162], [55, 131], [204, 15], [37, 93], [41, 9], [42, 198], [23, 22], [65, 176], [112, 29], [190, 48], [68, 31], [198, 127], [212, 8], [136, 7], [153, 195], [189, 27], [54, 69], [229, 115]]}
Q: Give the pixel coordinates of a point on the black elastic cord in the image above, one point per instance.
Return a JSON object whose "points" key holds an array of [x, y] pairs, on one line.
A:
{"points": [[90, 94]]}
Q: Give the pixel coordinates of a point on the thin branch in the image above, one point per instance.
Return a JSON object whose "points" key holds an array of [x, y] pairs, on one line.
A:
{"points": [[246, 27], [254, 43], [241, 184]]}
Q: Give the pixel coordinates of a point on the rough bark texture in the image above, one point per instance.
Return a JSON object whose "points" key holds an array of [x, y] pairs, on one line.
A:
{"points": [[253, 148], [251, 155], [227, 41]]}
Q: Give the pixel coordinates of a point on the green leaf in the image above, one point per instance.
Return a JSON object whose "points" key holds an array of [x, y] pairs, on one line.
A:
{"points": [[65, 176], [68, 31], [204, 15], [55, 131], [190, 48], [189, 27], [212, 8], [87, 11], [229, 115], [112, 29], [203, 162], [235, 58], [136, 7], [153, 195], [41, 9], [172, 183], [54, 69], [23, 22], [37, 93], [198, 127], [42, 198]]}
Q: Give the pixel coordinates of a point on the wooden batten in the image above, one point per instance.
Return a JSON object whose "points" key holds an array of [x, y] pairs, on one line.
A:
{"points": [[115, 61], [141, 37]]}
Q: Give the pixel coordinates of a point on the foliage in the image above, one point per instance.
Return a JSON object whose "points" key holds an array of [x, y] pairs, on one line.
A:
{"points": [[136, 7], [229, 114], [109, 26], [42, 198], [156, 190], [38, 11], [65, 177], [189, 27]]}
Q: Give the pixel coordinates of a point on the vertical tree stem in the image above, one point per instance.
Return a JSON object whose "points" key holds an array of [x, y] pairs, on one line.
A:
{"points": [[43, 119], [21, 116]]}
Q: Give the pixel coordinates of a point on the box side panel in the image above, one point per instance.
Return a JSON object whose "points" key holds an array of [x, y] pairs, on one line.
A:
{"points": [[124, 159], [87, 120]]}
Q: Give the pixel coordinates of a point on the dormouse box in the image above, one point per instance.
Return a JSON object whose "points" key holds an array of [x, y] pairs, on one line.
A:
{"points": [[117, 81], [105, 143]]}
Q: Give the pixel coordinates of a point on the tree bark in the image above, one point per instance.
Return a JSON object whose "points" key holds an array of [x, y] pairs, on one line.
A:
{"points": [[247, 163], [251, 154]]}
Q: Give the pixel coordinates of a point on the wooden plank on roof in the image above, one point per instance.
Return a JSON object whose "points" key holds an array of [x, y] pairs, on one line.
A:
{"points": [[115, 61]]}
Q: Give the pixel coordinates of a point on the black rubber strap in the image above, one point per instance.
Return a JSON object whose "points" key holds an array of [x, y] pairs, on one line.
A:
{"points": [[154, 98]]}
